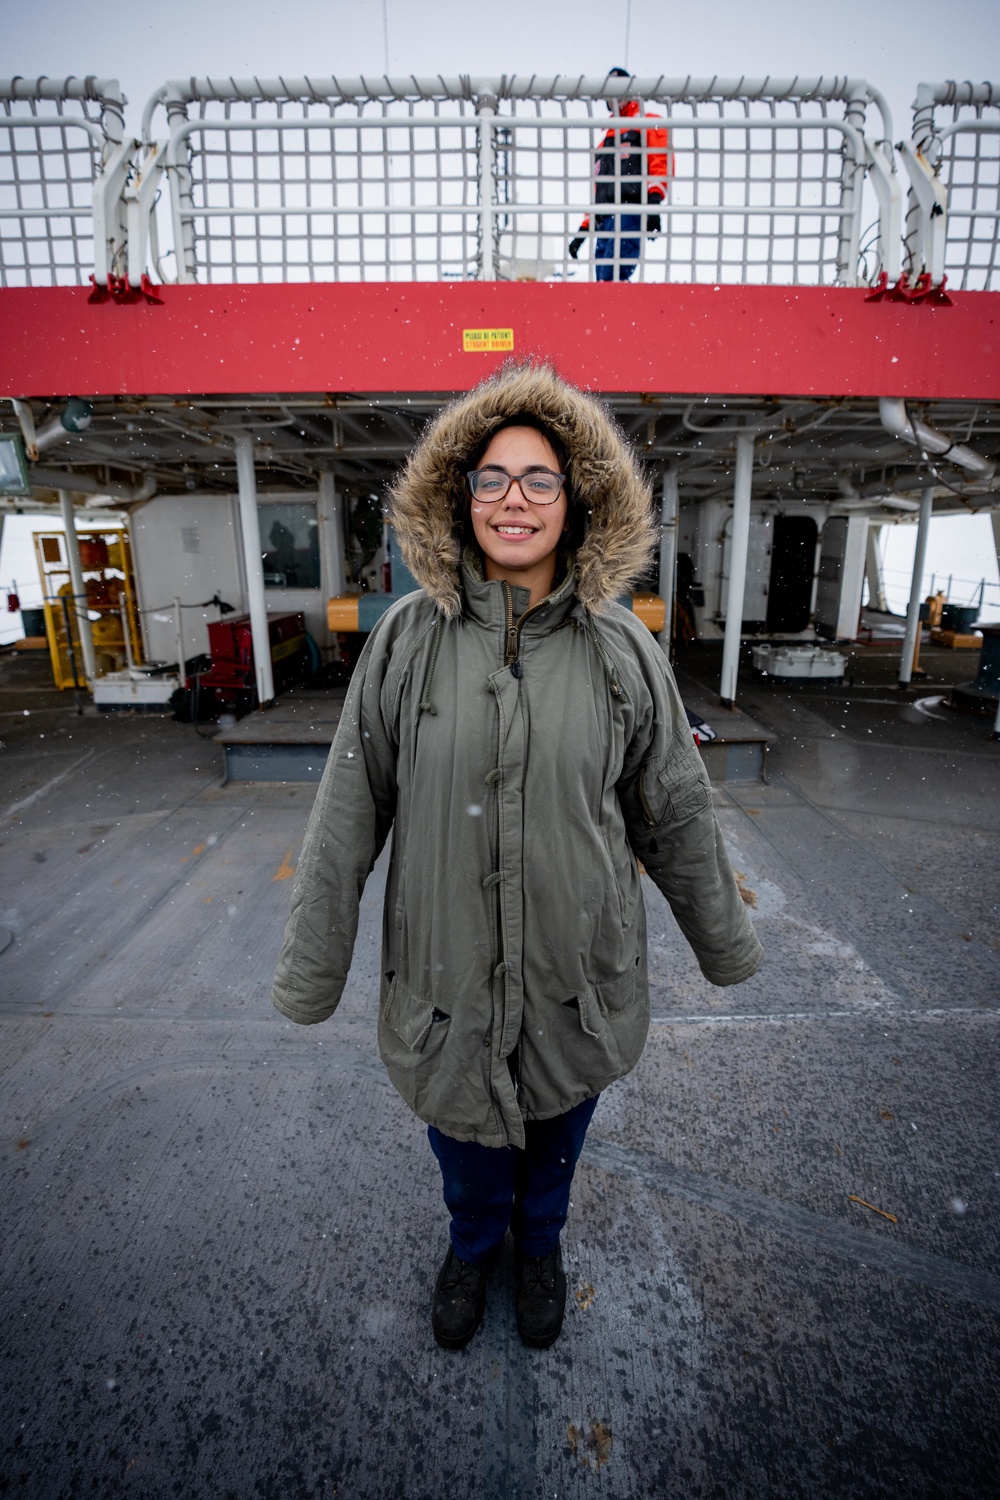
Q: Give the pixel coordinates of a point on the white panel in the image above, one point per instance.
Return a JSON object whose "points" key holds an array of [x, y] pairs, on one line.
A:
{"points": [[758, 567], [186, 546], [852, 578]]}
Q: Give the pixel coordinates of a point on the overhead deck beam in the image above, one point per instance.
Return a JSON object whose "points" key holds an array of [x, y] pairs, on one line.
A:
{"points": [[343, 337]]}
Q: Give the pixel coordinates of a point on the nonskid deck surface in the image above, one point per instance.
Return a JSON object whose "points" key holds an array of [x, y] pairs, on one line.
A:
{"points": [[221, 1230]]}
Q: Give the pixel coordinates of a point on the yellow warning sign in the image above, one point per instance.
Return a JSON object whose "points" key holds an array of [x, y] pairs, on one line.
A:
{"points": [[487, 340]]}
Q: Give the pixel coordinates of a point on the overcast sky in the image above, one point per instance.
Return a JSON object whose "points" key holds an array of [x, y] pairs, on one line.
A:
{"points": [[143, 46]]}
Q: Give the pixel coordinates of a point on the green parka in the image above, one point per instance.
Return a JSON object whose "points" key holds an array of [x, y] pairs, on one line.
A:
{"points": [[524, 759]]}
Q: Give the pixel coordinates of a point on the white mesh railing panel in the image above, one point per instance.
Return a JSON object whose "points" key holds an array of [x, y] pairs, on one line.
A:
{"points": [[957, 130], [754, 195], [345, 191], [51, 148], [970, 167], [266, 186]]}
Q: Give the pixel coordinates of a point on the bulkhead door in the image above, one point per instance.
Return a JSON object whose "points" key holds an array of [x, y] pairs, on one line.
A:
{"points": [[793, 560]]}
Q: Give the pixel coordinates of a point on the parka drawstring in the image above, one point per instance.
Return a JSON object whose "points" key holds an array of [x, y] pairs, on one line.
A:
{"points": [[425, 706]]}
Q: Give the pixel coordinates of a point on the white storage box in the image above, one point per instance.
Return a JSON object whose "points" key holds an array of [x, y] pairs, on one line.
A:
{"points": [[134, 689], [799, 661]]}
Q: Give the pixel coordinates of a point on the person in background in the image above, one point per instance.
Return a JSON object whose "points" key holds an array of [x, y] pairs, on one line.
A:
{"points": [[628, 169], [520, 734]]}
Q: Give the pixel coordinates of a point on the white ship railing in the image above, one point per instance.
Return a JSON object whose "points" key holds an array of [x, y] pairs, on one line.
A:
{"points": [[953, 210], [441, 179], [63, 167]]}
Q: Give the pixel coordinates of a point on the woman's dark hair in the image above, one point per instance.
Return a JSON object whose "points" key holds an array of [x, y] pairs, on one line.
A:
{"points": [[524, 419], [576, 517]]}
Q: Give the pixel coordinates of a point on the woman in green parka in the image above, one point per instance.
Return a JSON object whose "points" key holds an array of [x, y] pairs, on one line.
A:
{"points": [[521, 735]]}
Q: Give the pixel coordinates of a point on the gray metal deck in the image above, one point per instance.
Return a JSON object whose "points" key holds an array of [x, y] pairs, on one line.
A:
{"points": [[221, 1230], [288, 741]]}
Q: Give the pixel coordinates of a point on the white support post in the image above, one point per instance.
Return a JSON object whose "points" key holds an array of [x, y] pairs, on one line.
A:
{"points": [[668, 556], [331, 530], [931, 197], [873, 570], [179, 641], [486, 114], [852, 178], [109, 212], [140, 202], [79, 588], [181, 196], [913, 612], [252, 557], [739, 543]]}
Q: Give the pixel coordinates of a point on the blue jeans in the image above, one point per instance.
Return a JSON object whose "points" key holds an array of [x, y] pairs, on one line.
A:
{"points": [[627, 250], [490, 1188]]}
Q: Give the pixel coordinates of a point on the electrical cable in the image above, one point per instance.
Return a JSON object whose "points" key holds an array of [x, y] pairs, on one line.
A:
{"points": [[964, 492], [220, 605]]}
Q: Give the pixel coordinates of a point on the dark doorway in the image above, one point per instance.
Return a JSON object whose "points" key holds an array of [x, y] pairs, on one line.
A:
{"points": [[793, 561]]}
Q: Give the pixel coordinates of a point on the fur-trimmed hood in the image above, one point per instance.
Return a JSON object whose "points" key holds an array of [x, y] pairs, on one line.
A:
{"points": [[603, 478]]}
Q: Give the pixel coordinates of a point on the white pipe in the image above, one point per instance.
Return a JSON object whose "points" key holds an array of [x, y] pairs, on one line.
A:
{"points": [[252, 557], [127, 637], [913, 612], [84, 484], [873, 570], [179, 641], [739, 544], [892, 412], [668, 555], [26, 418], [331, 532], [486, 116], [79, 589]]}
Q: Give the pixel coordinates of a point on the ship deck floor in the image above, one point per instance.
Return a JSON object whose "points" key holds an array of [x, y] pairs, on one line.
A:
{"points": [[221, 1230]]}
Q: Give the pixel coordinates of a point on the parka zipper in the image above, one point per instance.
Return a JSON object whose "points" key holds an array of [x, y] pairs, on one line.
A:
{"points": [[513, 634]]}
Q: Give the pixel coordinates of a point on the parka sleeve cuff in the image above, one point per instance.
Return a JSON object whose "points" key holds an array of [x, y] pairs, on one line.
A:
{"points": [[302, 1015], [740, 964]]}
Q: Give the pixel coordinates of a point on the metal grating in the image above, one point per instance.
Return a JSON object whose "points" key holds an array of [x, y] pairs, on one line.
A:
{"points": [[406, 180], [54, 136]]}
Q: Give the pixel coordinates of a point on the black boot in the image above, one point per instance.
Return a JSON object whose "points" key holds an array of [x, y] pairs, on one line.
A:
{"points": [[540, 1300], [459, 1301]]}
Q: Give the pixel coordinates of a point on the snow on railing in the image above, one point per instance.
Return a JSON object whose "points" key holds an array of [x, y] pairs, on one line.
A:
{"points": [[953, 209]]}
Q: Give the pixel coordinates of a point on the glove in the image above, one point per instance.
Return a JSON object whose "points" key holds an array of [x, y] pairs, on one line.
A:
{"points": [[574, 247], [652, 224]]}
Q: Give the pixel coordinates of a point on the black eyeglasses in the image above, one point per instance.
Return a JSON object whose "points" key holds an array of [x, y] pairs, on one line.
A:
{"points": [[540, 486]]}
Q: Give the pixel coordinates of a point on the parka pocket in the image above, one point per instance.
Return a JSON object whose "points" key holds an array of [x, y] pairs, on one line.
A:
{"points": [[606, 1002], [409, 1016], [672, 791]]}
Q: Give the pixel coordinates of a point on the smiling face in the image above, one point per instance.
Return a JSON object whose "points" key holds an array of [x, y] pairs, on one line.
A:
{"points": [[518, 539]]}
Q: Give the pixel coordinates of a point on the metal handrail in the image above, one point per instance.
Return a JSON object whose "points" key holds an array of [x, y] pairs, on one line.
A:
{"points": [[657, 88]]}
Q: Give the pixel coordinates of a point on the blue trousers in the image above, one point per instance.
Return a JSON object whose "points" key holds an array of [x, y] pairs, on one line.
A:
{"points": [[489, 1189], [627, 250]]}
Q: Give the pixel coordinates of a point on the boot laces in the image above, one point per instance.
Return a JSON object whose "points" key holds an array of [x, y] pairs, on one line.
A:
{"points": [[462, 1277], [539, 1273]]}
